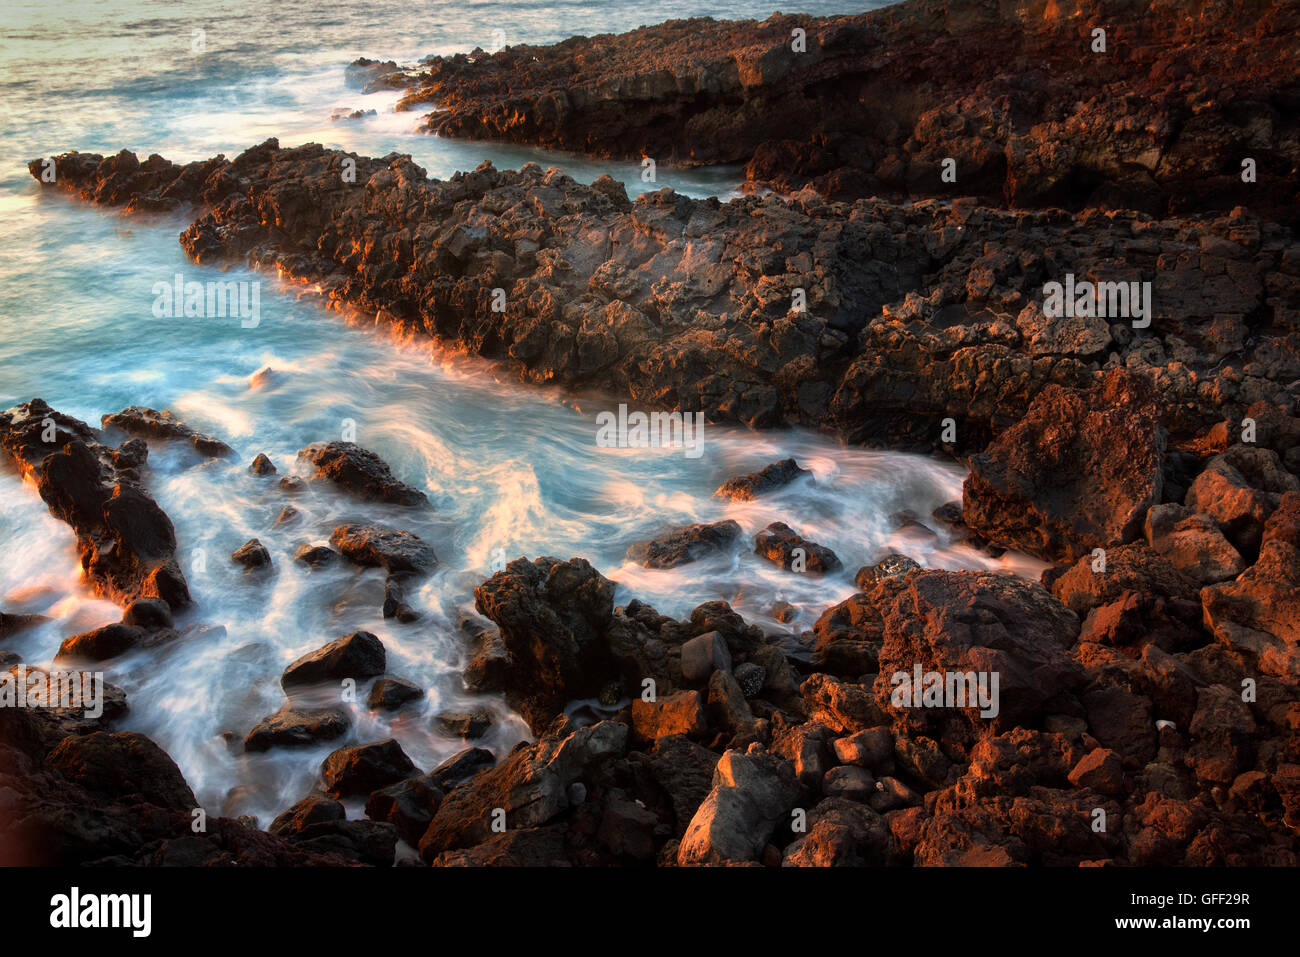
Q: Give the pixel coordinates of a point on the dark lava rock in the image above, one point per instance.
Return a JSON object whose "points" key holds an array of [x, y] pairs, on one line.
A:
{"points": [[462, 766], [100, 644], [125, 541], [252, 555], [683, 544], [552, 617], [358, 655], [389, 694], [359, 471], [315, 556], [365, 768], [408, 805], [311, 810], [891, 566], [1078, 472], [297, 727], [148, 613], [377, 547], [262, 465], [781, 545], [743, 488], [12, 624], [150, 423], [464, 724]]}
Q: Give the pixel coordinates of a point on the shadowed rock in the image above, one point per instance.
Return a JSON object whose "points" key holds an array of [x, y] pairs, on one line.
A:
{"points": [[782, 545], [152, 424], [1078, 472], [360, 472], [377, 547], [683, 544], [125, 541], [744, 488], [292, 727], [358, 655]]}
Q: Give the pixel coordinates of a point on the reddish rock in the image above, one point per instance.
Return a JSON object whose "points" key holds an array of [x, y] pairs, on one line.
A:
{"points": [[782, 545], [744, 488], [1259, 613], [365, 768], [150, 423], [683, 544], [1101, 770], [1078, 472], [681, 713], [358, 655]]}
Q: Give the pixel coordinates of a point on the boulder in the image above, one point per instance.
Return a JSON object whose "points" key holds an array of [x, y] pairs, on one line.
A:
{"points": [[744, 488], [390, 693], [553, 618], [781, 545], [359, 472], [1259, 613], [752, 794], [681, 713], [703, 655], [1193, 544], [1239, 490], [531, 787], [297, 727], [842, 833], [974, 623], [252, 555], [365, 768], [358, 655], [375, 546], [683, 544], [1078, 472], [408, 805], [261, 465]]}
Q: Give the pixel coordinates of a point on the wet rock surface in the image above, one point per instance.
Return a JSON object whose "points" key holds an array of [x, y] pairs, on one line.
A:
{"points": [[150, 423], [126, 543], [683, 304], [360, 472]]}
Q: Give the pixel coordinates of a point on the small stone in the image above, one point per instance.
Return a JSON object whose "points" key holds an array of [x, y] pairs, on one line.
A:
{"points": [[389, 694], [750, 677], [465, 724], [262, 465], [252, 555], [704, 654], [1101, 770]]}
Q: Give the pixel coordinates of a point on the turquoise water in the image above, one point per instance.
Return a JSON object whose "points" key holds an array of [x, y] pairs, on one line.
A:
{"points": [[508, 468]]}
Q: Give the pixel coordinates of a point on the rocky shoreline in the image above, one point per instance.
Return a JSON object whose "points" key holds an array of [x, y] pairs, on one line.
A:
{"points": [[1033, 106], [1147, 705]]}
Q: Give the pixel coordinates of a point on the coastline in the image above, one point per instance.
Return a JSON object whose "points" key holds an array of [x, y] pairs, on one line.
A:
{"points": [[1171, 448]]}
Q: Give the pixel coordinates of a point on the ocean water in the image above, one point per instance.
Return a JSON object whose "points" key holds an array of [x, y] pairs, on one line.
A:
{"points": [[511, 470]]}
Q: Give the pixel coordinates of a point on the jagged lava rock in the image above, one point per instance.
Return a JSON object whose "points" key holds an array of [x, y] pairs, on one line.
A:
{"points": [[1078, 472]]}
